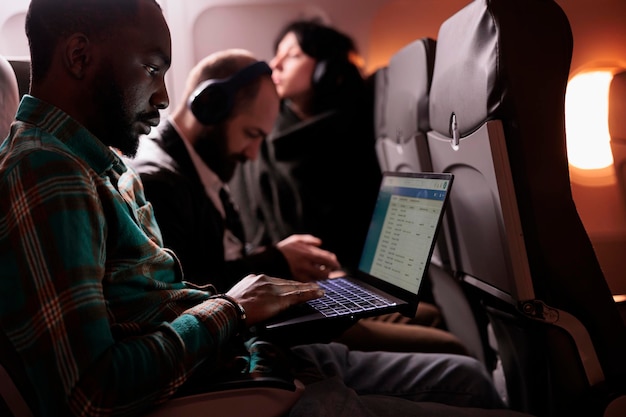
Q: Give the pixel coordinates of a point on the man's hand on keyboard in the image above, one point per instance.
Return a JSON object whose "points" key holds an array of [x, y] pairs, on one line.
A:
{"points": [[263, 297]]}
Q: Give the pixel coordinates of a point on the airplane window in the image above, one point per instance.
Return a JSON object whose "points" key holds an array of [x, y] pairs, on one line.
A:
{"points": [[586, 120]]}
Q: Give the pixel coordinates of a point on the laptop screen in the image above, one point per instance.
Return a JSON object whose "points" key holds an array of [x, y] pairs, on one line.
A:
{"points": [[404, 226]]}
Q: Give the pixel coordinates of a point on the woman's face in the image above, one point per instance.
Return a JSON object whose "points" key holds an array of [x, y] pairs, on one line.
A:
{"points": [[292, 70]]}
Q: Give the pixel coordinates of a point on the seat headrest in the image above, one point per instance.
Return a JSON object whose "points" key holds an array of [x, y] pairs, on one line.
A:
{"points": [[489, 53], [409, 75], [9, 96], [617, 107]]}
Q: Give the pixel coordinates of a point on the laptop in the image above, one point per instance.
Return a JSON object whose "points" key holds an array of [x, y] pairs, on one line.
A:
{"points": [[395, 256]]}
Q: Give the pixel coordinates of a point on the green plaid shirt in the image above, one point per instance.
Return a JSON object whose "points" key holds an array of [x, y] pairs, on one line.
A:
{"points": [[90, 300]]}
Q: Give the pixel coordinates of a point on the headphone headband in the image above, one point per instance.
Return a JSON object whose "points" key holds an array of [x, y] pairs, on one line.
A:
{"points": [[213, 99]]}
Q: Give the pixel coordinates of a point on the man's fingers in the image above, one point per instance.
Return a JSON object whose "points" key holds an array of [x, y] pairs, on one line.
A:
{"points": [[323, 259], [310, 240], [305, 290], [303, 295]]}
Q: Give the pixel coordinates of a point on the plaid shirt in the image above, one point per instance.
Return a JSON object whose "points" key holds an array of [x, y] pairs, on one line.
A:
{"points": [[90, 300]]}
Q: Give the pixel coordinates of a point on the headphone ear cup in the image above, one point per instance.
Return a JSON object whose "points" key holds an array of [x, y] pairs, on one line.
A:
{"points": [[329, 75], [320, 73], [211, 102]]}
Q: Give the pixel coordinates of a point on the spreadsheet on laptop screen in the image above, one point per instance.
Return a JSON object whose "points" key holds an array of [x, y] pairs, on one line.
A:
{"points": [[403, 229]]}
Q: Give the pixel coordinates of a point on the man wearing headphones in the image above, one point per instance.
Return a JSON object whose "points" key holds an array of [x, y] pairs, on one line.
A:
{"points": [[230, 106]]}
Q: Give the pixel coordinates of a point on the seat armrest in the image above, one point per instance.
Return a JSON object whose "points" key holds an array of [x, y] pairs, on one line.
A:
{"points": [[259, 397], [13, 399]]}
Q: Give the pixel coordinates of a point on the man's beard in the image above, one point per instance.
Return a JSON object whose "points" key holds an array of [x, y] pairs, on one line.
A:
{"points": [[117, 129], [212, 149]]}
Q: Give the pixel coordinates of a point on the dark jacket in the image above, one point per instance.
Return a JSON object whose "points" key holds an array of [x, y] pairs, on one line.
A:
{"points": [[319, 176], [190, 223]]}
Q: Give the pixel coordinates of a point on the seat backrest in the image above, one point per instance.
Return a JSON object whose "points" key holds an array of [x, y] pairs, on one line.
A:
{"points": [[401, 123], [401, 113], [9, 96], [402, 108], [497, 122], [21, 67], [378, 82], [617, 126]]}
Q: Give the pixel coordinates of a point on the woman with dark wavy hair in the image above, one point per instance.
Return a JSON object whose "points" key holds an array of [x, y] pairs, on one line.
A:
{"points": [[316, 69], [318, 170]]}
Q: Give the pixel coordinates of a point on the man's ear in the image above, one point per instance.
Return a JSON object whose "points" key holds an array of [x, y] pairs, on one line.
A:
{"points": [[77, 54]]}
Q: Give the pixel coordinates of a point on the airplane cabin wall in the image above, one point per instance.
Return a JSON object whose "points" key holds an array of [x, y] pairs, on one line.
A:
{"points": [[399, 22], [13, 40], [207, 26], [200, 27], [380, 28]]}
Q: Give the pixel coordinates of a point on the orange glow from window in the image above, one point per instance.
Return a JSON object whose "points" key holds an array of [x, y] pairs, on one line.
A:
{"points": [[586, 120]]}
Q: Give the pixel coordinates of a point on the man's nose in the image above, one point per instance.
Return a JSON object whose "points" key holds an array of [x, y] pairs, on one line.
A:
{"points": [[160, 99], [252, 151]]}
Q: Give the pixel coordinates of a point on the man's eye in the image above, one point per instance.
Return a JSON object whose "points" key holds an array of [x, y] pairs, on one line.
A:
{"points": [[254, 134], [152, 71]]}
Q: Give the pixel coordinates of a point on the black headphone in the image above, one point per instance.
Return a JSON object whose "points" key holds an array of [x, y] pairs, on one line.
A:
{"points": [[320, 73], [329, 74], [212, 101]]}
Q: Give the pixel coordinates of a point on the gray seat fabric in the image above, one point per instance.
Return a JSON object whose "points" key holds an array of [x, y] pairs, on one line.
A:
{"points": [[21, 67], [515, 237], [401, 141], [401, 121], [379, 81], [9, 96], [617, 131], [401, 113]]}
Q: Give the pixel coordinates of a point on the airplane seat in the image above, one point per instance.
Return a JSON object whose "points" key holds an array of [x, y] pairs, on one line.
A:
{"points": [[9, 96], [617, 132], [403, 108], [401, 122], [617, 126], [378, 83], [21, 67], [401, 112], [514, 236]]}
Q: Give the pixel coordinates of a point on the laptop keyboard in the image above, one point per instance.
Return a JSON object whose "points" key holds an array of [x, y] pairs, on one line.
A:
{"points": [[342, 296]]}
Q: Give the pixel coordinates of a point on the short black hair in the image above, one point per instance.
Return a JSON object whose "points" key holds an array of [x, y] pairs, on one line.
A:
{"points": [[49, 21]]}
